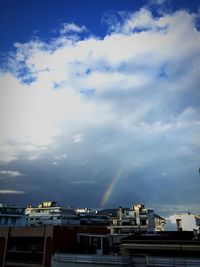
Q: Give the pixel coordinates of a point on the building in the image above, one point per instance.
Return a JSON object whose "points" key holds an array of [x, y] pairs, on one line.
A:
{"points": [[49, 213], [93, 218], [11, 215], [168, 248], [48, 245], [32, 246], [186, 222], [159, 223], [163, 248], [26, 246], [130, 220]]}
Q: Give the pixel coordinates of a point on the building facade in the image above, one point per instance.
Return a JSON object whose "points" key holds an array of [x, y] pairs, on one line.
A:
{"points": [[26, 246], [49, 213], [134, 219], [159, 223], [11, 215], [186, 222]]}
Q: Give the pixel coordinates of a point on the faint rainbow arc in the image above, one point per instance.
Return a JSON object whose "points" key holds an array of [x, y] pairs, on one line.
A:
{"points": [[110, 188]]}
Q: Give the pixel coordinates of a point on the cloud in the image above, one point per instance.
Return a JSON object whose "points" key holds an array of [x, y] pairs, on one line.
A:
{"points": [[80, 182], [131, 95], [132, 73], [71, 27], [6, 173], [77, 138], [60, 157], [30, 116], [158, 2], [7, 192]]}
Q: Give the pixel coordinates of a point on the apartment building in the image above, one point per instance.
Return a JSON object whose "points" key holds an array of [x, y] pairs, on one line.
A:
{"points": [[11, 215], [49, 213], [134, 219]]}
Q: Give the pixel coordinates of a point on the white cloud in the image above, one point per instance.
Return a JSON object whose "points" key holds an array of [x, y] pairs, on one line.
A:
{"points": [[7, 173], [60, 157], [138, 78], [30, 116], [157, 2], [34, 157], [77, 138], [71, 27], [8, 152], [102, 81], [7, 192]]}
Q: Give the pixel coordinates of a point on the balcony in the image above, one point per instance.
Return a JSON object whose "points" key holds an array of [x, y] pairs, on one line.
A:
{"points": [[90, 259]]}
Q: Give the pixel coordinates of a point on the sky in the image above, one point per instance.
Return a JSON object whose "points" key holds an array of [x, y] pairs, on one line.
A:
{"points": [[100, 103]]}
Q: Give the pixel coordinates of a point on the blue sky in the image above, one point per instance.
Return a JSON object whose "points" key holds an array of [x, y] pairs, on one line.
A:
{"points": [[100, 103]]}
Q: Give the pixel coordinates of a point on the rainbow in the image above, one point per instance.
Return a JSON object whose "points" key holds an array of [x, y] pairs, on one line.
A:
{"points": [[110, 188]]}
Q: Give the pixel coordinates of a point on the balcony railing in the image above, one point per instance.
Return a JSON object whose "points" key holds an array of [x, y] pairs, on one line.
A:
{"points": [[172, 261], [91, 259]]}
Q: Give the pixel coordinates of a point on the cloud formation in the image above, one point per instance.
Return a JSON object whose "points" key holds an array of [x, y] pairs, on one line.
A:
{"points": [[6, 173], [132, 96], [11, 192], [71, 27]]}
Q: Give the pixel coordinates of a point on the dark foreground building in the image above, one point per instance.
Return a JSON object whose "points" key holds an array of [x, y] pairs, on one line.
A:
{"points": [[168, 243], [34, 246], [46, 246], [163, 249]]}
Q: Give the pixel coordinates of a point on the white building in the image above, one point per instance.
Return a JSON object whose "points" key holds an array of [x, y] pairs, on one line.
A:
{"points": [[186, 221], [11, 215], [159, 223], [49, 213], [136, 219]]}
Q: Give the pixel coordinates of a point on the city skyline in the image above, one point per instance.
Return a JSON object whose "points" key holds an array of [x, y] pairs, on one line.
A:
{"points": [[99, 103]]}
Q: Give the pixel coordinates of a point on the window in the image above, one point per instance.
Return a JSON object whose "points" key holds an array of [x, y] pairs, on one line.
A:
{"points": [[143, 222], [85, 240], [13, 221], [96, 242]]}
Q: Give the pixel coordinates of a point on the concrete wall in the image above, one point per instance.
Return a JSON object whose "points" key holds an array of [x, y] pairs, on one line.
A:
{"points": [[188, 221]]}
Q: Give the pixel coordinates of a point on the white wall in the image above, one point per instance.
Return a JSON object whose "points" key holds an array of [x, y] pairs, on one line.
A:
{"points": [[188, 221]]}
